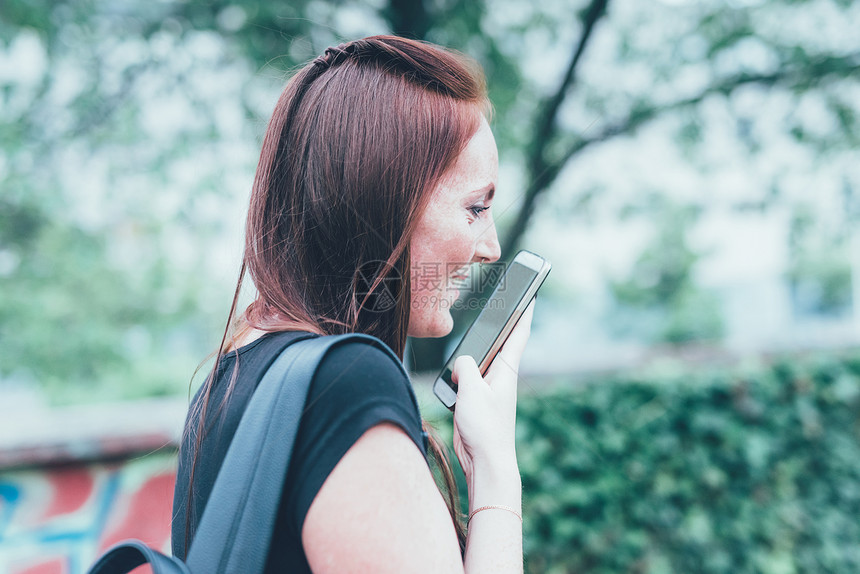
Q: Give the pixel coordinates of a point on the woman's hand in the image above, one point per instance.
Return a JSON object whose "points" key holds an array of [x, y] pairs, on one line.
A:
{"points": [[485, 415]]}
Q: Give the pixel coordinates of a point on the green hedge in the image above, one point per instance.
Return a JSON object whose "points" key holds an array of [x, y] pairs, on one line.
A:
{"points": [[752, 472]]}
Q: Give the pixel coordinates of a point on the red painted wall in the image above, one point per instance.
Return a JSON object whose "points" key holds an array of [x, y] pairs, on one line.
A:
{"points": [[57, 520]]}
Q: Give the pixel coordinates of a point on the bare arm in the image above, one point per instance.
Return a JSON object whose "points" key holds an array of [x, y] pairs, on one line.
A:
{"points": [[380, 510], [484, 422], [495, 540]]}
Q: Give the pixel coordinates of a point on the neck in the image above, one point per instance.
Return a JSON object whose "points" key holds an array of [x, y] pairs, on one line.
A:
{"points": [[244, 335]]}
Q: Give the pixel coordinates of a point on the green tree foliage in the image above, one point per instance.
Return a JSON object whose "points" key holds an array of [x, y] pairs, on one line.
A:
{"points": [[691, 70], [820, 273], [102, 197], [660, 300], [747, 470], [119, 130]]}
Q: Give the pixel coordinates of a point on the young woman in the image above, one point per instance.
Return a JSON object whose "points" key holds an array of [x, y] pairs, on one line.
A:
{"points": [[371, 200]]}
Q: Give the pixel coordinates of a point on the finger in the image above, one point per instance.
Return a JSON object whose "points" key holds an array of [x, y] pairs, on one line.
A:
{"points": [[466, 369], [513, 349]]}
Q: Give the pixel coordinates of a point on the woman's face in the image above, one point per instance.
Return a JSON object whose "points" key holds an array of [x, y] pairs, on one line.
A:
{"points": [[456, 230]]}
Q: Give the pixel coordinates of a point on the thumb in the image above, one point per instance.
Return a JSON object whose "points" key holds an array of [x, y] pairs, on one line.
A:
{"points": [[511, 352], [465, 370]]}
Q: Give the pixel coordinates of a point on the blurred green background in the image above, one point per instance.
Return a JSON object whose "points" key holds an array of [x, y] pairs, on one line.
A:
{"points": [[691, 168]]}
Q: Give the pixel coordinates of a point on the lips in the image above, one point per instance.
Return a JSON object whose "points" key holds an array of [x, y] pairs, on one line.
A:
{"points": [[460, 273], [457, 282]]}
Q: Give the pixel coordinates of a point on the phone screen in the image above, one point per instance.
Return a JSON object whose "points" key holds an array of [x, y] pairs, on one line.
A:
{"points": [[478, 340]]}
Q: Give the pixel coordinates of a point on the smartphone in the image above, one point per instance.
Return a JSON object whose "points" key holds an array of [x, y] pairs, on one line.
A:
{"points": [[513, 293]]}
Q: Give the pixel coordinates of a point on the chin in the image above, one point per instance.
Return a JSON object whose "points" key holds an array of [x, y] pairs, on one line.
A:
{"points": [[436, 326]]}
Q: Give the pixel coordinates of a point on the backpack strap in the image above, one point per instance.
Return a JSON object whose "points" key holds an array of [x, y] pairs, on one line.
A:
{"points": [[130, 554], [236, 528]]}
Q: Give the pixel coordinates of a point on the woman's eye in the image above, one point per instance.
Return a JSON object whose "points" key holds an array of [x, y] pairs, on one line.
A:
{"points": [[477, 209]]}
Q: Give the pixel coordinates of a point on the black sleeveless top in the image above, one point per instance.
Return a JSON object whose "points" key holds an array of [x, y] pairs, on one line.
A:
{"points": [[356, 387]]}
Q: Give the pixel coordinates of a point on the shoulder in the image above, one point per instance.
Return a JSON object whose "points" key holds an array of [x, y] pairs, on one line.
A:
{"points": [[368, 350], [360, 382], [365, 366], [357, 386]]}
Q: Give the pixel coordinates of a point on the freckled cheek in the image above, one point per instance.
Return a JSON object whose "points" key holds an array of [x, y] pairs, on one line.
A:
{"points": [[462, 245], [443, 249], [454, 252]]}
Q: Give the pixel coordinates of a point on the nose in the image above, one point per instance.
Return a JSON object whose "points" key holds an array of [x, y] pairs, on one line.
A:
{"points": [[487, 248]]}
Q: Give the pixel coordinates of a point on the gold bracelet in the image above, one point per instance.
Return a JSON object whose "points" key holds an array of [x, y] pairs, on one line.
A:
{"points": [[508, 508]]}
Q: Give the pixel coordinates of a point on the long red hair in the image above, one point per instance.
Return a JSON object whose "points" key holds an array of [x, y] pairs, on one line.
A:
{"points": [[359, 139]]}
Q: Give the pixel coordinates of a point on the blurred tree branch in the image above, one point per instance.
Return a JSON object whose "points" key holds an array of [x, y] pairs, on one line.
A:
{"points": [[546, 128], [792, 78], [546, 124], [429, 353], [796, 77], [104, 112]]}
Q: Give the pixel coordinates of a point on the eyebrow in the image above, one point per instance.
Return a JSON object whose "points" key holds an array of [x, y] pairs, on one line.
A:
{"points": [[489, 190]]}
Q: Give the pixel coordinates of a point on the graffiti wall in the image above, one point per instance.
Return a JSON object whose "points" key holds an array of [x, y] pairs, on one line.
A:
{"points": [[75, 480], [58, 520]]}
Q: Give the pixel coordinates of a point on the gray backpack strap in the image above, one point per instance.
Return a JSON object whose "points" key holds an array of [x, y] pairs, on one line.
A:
{"points": [[130, 554], [236, 528]]}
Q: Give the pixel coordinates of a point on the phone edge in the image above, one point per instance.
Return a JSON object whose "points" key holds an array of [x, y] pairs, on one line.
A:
{"points": [[450, 398]]}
